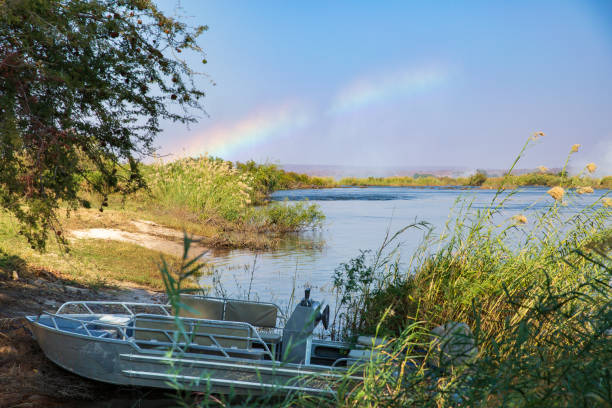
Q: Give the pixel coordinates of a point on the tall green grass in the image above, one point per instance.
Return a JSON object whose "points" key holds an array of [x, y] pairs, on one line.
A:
{"points": [[536, 289], [217, 191]]}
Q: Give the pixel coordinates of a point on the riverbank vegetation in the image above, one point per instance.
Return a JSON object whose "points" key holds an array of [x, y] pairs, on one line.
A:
{"points": [[218, 191], [541, 179], [534, 289], [531, 293], [224, 205], [270, 178], [92, 263]]}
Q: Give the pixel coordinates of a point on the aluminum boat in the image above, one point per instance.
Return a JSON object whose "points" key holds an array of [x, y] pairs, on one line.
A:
{"points": [[211, 344]]}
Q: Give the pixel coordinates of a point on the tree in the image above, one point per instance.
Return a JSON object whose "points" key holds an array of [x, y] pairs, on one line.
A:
{"points": [[83, 87], [478, 178]]}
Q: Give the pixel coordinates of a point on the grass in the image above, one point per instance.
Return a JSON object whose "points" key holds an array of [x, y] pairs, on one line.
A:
{"points": [[92, 263], [426, 181], [530, 179], [534, 289], [217, 192]]}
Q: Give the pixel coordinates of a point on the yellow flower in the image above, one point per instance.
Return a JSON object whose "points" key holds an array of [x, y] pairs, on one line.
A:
{"points": [[537, 135], [520, 219], [557, 193], [591, 167], [607, 201], [543, 169], [584, 190], [575, 148]]}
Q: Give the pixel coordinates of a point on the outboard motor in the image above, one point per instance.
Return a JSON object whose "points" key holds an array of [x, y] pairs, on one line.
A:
{"points": [[297, 335]]}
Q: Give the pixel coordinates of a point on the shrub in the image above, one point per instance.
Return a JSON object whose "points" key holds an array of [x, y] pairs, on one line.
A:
{"points": [[212, 188], [477, 179], [209, 187]]}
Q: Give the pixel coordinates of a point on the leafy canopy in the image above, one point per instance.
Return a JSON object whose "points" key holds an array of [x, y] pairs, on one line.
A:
{"points": [[83, 87]]}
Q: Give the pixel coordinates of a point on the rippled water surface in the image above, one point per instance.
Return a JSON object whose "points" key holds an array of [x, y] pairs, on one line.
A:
{"points": [[358, 219]]}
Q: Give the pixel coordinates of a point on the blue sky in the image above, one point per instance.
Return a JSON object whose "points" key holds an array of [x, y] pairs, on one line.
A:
{"points": [[441, 83]]}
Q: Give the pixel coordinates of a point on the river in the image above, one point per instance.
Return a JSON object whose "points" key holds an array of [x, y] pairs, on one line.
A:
{"points": [[358, 219]]}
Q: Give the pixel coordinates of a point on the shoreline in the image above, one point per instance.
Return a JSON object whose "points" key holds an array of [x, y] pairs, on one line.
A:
{"points": [[432, 186]]}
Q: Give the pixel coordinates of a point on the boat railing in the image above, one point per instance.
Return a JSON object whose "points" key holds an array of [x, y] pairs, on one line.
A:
{"points": [[129, 307], [121, 329], [191, 328]]}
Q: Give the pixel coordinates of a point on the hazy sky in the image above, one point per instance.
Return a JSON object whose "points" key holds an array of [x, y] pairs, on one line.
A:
{"points": [[441, 83]]}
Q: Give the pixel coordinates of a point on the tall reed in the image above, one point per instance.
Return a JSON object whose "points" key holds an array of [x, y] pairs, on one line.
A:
{"points": [[216, 190]]}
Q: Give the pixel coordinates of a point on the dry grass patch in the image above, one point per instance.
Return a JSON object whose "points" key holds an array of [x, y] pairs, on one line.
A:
{"points": [[89, 262]]}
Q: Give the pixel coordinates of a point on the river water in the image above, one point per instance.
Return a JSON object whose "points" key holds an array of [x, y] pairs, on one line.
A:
{"points": [[358, 219]]}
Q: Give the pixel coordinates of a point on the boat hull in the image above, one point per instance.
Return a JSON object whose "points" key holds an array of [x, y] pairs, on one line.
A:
{"points": [[121, 362]]}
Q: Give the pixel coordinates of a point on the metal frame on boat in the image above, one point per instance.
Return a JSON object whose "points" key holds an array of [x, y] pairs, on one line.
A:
{"points": [[214, 344]]}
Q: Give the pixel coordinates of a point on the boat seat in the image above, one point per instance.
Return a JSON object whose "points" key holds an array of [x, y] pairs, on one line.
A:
{"points": [[162, 328], [226, 334], [154, 328], [271, 338], [203, 308], [256, 314]]}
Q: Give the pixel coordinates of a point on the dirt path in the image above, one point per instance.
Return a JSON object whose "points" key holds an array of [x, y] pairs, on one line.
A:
{"points": [[151, 236]]}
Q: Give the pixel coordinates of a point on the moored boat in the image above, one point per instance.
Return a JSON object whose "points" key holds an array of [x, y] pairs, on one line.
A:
{"points": [[208, 344]]}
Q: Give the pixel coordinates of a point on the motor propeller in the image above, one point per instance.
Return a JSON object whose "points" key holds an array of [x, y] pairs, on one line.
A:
{"points": [[323, 317]]}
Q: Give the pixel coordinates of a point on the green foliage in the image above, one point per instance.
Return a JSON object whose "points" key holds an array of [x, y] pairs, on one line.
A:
{"points": [[209, 187], [83, 86], [213, 189], [478, 178], [538, 299], [265, 178], [286, 217], [606, 182], [268, 178]]}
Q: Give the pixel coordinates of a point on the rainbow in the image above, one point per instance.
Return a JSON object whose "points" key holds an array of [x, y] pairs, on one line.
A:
{"points": [[226, 138], [369, 91]]}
